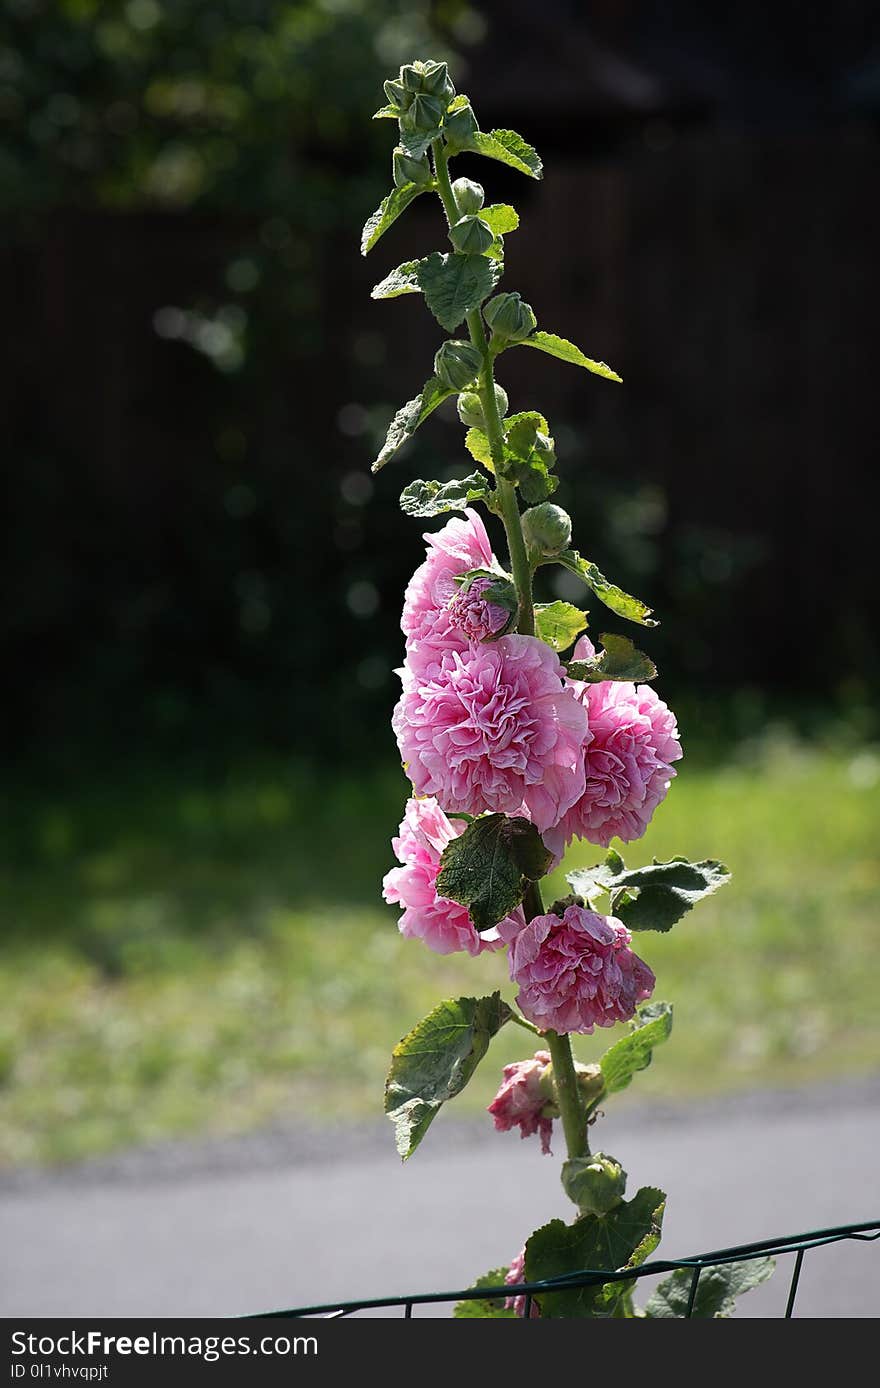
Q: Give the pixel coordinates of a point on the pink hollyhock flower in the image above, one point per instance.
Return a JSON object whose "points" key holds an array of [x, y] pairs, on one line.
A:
{"points": [[494, 729], [577, 972], [627, 758], [521, 1101], [515, 1275], [444, 925], [471, 613], [461, 545]]}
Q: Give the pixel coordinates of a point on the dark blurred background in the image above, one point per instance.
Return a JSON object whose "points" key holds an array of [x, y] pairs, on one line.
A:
{"points": [[195, 377]]}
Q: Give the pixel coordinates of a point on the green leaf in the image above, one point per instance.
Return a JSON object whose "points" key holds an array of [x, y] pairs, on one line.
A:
{"points": [[500, 218], [387, 213], [566, 351], [613, 597], [489, 866], [455, 284], [477, 444], [559, 623], [620, 660], [520, 431], [387, 113], [435, 1060], [619, 1240], [403, 280], [486, 1308], [433, 498], [509, 148], [409, 417], [417, 142], [649, 1028], [656, 896], [717, 1290]]}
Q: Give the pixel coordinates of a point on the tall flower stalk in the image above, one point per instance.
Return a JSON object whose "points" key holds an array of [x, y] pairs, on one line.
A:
{"points": [[518, 735]]}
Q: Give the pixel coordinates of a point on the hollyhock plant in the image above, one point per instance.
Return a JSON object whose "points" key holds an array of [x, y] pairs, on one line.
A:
{"points": [[494, 728], [526, 1100], [514, 747], [577, 972], [444, 926], [628, 756]]}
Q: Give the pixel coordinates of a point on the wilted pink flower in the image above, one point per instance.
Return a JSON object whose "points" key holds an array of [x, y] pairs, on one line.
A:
{"points": [[444, 925], [514, 1276], [521, 1101], [461, 545], [632, 742], [494, 729], [474, 615], [577, 972]]}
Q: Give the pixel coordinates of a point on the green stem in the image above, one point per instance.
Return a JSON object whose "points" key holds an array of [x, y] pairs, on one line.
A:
{"points": [[565, 1077], [505, 491], [574, 1121]]}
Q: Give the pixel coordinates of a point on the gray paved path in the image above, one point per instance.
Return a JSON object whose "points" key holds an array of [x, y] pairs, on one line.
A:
{"points": [[287, 1218]]}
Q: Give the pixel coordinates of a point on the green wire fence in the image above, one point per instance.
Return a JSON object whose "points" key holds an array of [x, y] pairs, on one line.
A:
{"points": [[797, 1245]]}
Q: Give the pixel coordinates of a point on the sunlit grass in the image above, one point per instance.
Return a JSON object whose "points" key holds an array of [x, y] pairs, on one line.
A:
{"points": [[180, 960]]}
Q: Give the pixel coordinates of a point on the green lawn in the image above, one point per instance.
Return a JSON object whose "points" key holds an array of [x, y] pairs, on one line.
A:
{"points": [[181, 960]]}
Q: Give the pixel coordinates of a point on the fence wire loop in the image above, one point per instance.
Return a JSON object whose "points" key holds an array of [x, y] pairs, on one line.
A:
{"points": [[798, 1244]]}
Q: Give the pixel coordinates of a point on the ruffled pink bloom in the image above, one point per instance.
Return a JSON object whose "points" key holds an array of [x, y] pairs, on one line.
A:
{"points": [[494, 729], [444, 925], [577, 972], [521, 1100], [474, 615], [461, 545], [627, 759], [517, 1274]]}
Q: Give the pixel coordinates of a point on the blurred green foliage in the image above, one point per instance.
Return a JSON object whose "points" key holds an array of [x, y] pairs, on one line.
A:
{"points": [[181, 103]]}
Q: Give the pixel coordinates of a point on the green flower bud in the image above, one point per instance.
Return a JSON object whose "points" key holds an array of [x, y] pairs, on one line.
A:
{"points": [[509, 317], [591, 1082], [469, 196], [471, 236], [425, 114], [398, 95], [546, 528], [470, 407], [411, 75], [436, 81], [457, 364], [595, 1184], [460, 126], [408, 170]]}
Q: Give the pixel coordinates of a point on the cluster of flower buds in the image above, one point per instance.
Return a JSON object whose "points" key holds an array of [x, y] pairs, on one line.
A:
{"points": [[418, 82], [423, 99]]}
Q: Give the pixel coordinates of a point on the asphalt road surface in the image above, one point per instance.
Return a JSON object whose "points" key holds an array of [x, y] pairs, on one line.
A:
{"points": [[290, 1218]]}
